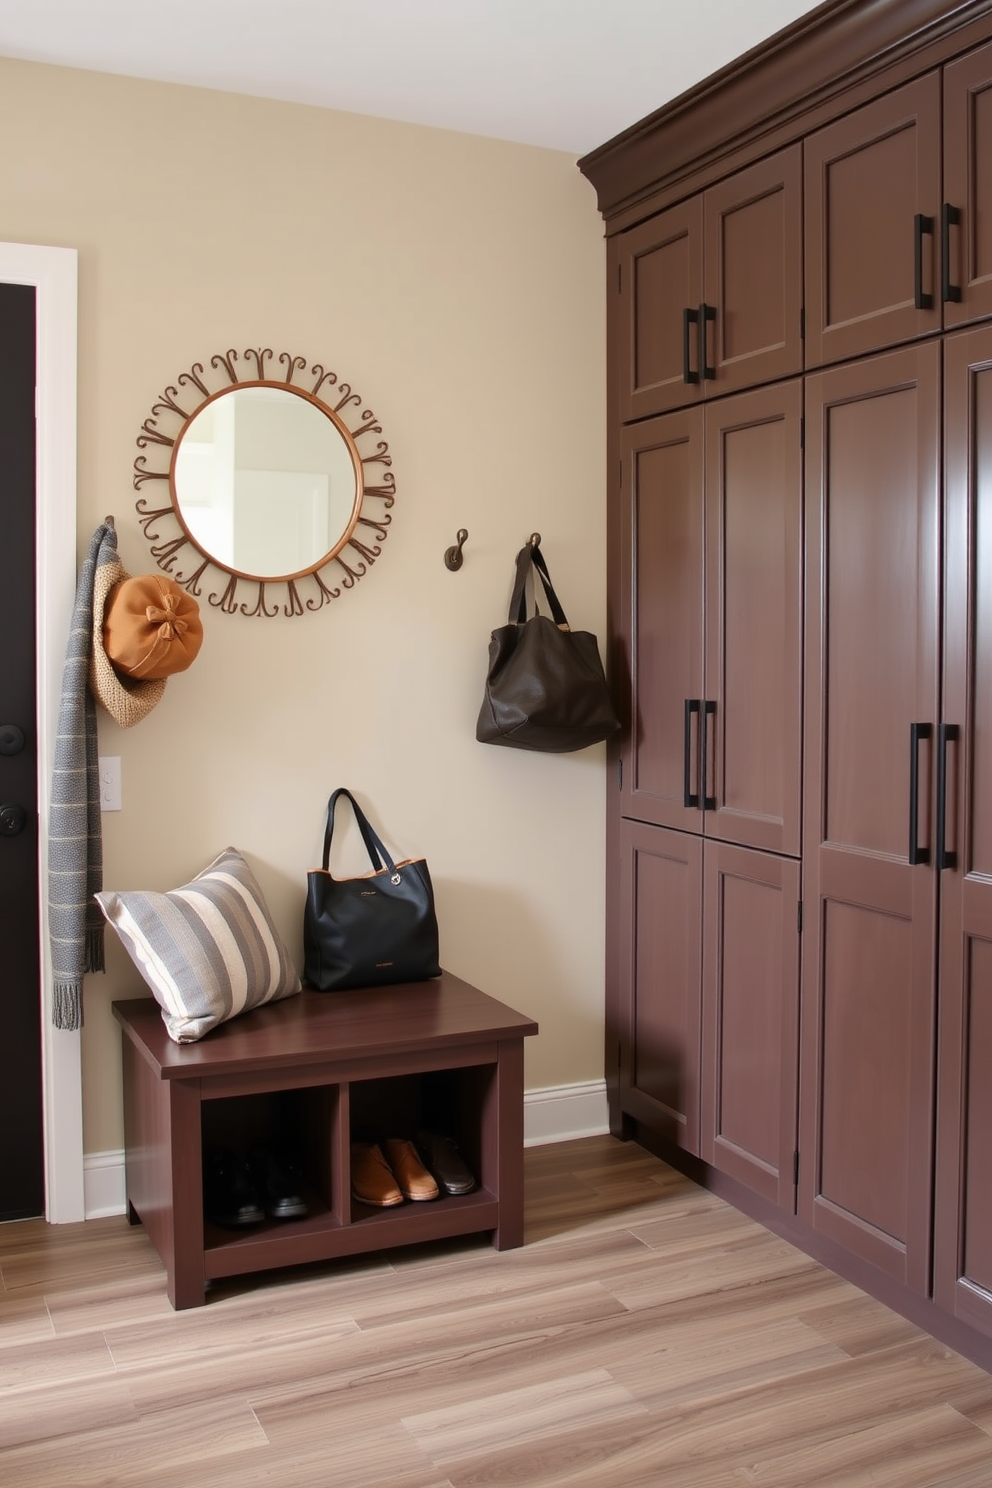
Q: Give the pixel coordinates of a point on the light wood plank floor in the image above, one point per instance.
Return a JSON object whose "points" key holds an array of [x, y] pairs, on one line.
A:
{"points": [[647, 1334]]}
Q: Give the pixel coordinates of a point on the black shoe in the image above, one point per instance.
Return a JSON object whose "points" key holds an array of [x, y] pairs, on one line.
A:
{"points": [[441, 1155], [229, 1196], [278, 1182]]}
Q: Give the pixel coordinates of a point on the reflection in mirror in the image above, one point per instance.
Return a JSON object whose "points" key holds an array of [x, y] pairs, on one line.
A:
{"points": [[265, 481]]}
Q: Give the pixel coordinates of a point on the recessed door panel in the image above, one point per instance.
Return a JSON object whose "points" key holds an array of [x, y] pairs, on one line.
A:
{"points": [[967, 232], [867, 1066], [872, 204], [754, 525], [874, 531], [750, 1017], [661, 276], [660, 1031], [663, 607]]}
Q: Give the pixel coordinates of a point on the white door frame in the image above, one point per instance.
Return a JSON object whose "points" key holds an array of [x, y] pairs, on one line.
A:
{"points": [[52, 272]]}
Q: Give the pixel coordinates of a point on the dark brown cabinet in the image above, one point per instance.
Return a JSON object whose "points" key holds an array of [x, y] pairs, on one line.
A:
{"points": [[799, 971], [711, 597], [710, 291]]}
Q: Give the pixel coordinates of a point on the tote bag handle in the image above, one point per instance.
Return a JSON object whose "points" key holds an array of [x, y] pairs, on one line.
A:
{"points": [[378, 855]]}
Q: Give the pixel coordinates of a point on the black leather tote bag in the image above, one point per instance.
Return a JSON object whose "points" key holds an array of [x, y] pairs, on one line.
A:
{"points": [[546, 688], [369, 931]]}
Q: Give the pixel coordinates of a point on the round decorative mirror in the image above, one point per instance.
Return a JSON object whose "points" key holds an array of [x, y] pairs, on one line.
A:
{"points": [[267, 482]]}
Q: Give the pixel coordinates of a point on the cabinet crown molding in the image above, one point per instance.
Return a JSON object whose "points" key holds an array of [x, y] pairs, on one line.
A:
{"points": [[833, 47]]}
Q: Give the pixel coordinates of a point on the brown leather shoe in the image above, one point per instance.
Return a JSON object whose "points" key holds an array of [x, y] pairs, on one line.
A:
{"points": [[445, 1161], [371, 1179], [413, 1178]]}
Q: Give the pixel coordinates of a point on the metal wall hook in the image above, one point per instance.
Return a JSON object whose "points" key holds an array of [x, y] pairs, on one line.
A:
{"points": [[535, 539], [453, 557]]}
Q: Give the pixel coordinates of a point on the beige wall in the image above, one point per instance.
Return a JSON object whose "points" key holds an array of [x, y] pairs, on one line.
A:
{"points": [[457, 283]]}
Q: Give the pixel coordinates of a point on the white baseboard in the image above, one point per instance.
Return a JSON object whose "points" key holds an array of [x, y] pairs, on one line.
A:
{"points": [[559, 1113], [562, 1113], [103, 1184]]}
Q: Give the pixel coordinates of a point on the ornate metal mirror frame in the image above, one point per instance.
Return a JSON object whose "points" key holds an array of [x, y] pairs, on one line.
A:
{"points": [[336, 402]]}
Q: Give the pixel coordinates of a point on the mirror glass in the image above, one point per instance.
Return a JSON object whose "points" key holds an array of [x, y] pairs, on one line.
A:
{"points": [[265, 481]]}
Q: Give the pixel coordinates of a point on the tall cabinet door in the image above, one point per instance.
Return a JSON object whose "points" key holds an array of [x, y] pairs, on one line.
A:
{"points": [[872, 205], [754, 624], [750, 1018], [963, 1259], [662, 599], [660, 961], [966, 220], [753, 274], [870, 891], [660, 286]]}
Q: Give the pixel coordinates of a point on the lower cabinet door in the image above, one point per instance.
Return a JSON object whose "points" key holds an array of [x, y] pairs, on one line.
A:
{"points": [[660, 976], [709, 991], [750, 1018]]}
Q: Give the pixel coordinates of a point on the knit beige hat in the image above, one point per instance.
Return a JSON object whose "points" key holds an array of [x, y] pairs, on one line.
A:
{"points": [[126, 699]]}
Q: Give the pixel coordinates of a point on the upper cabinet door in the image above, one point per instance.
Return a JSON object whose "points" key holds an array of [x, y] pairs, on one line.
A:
{"points": [[873, 225], [661, 288], [753, 275], [966, 215], [711, 291]]}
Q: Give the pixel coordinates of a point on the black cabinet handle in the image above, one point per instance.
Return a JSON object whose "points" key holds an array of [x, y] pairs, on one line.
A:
{"points": [[949, 217], [705, 313], [692, 705], [917, 732], [949, 733], [709, 709], [923, 226], [689, 317]]}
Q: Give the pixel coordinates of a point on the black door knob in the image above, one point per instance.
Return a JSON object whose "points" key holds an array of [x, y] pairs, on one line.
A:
{"points": [[11, 738], [13, 819]]}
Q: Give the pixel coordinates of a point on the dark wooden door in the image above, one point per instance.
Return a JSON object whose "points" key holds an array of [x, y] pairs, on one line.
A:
{"points": [[659, 280], [754, 618], [967, 212], [660, 979], [872, 206], [662, 616], [750, 1053], [22, 1188], [963, 1246], [869, 927], [753, 274]]}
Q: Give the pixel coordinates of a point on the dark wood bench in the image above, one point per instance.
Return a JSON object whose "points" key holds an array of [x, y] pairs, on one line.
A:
{"points": [[336, 1067]]}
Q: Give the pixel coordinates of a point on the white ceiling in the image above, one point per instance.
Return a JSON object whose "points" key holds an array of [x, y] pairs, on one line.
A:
{"points": [[567, 74]]}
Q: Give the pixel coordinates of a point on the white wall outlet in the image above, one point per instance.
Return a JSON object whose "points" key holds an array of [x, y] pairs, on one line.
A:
{"points": [[110, 783]]}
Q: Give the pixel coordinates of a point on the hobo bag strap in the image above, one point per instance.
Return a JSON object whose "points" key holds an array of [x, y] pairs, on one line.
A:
{"points": [[528, 557], [377, 853]]}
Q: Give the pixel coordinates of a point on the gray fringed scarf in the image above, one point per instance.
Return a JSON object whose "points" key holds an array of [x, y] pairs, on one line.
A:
{"points": [[75, 844]]}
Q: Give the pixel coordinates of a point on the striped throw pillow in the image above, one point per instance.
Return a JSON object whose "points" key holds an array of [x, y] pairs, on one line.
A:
{"points": [[208, 950]]}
